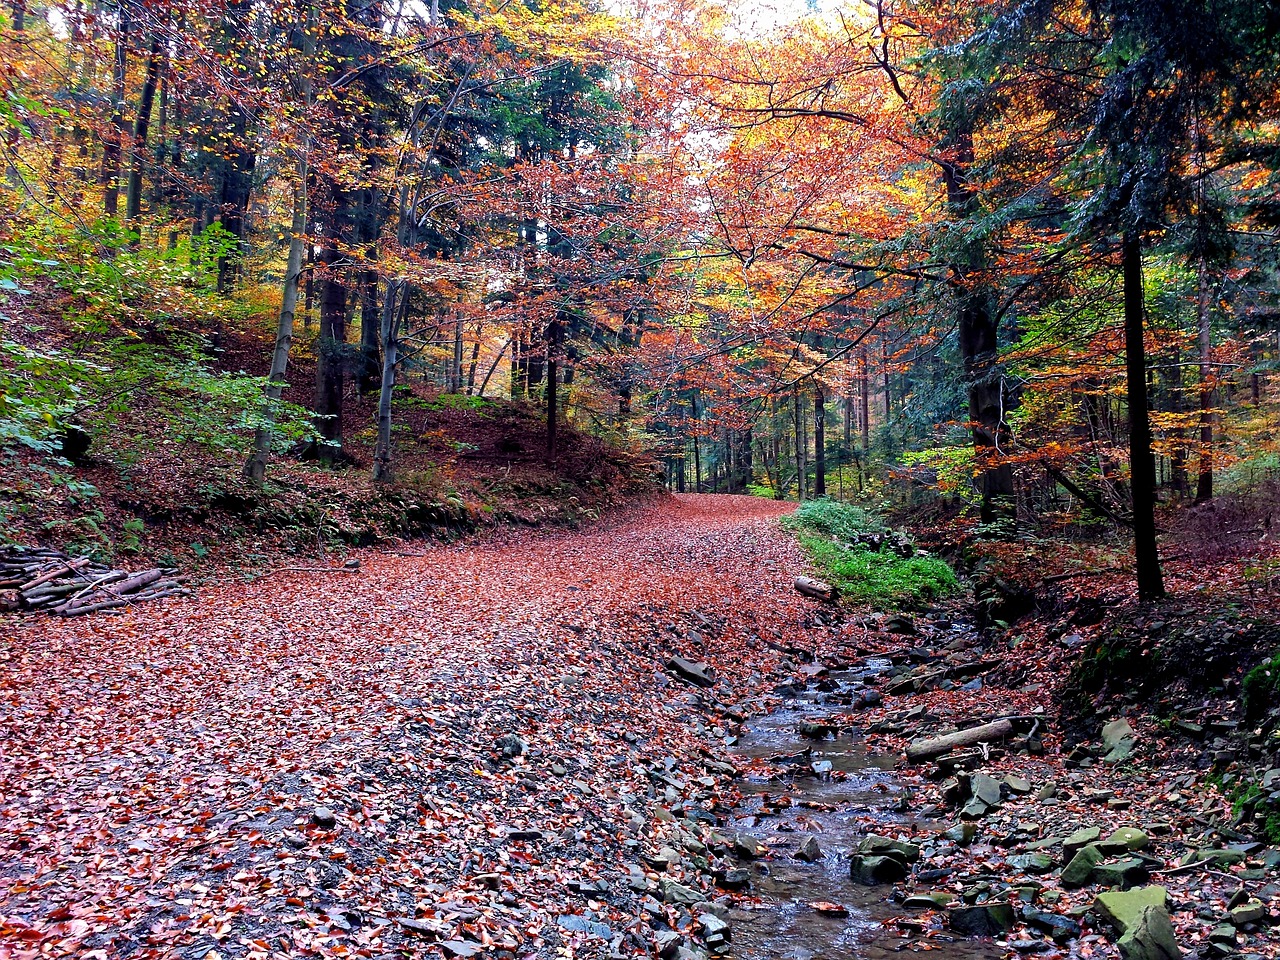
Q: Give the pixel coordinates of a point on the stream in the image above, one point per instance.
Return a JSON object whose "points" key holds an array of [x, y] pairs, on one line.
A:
{"points": [[833, 807]]}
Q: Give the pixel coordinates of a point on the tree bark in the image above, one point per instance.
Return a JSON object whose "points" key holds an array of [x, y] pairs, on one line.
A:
{"points": [[370, 324], [938, 746], [979, 347], [1142, 463], [819, 442], [112, 148], [332, 339], [390, 336], [1204, 484], [256, 468], [802, 466], [141, 126]]}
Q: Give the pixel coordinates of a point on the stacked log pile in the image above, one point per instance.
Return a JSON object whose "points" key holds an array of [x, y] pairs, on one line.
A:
{"points": [[38, 578]]}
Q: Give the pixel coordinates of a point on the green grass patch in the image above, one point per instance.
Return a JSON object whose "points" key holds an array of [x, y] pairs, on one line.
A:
{"points": [[878, 578]]}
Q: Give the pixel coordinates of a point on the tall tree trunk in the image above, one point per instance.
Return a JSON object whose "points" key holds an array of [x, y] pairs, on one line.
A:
{"points": [[256, 468], [114, 143], [331, 342], [802, 467], [455, 368], [141, 127], [1142, 463], [18, 11], [819, 441], [392, 312], [864, 382], [369, 332], [552, 401], [697, 453], [475, 360], [1204, 485], [979, 348]]}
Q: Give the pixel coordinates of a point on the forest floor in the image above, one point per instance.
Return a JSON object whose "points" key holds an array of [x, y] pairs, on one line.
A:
{"points": [[483, 748]]}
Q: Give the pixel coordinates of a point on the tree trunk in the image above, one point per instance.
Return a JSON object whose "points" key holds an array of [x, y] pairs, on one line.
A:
{"points": [[553, 377], [141, 126], [979, 348], [819, 442], [802, 467], [390, 336], [331, 346], [697, 453], [256, 468], [1204, 485], [114, 144], [367, 381], [1142, 464], [865, 385]]}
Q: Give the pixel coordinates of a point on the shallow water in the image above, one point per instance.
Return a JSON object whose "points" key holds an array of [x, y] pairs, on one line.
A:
{"points": [[834, 808]]}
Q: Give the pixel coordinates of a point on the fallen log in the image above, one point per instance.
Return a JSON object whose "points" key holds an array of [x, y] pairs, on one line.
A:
{"points": [[55, 573], [815, 589], [931, 747]]}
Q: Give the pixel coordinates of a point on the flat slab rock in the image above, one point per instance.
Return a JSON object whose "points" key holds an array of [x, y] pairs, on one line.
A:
{"points": [[698, 674]]}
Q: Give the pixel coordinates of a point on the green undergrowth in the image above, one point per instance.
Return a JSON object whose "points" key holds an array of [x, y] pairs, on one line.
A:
{"points": [[834, 535], [1261, 685]]}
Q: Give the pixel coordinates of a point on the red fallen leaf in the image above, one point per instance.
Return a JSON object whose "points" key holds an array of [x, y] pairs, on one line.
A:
{"points": [[829, 909]]}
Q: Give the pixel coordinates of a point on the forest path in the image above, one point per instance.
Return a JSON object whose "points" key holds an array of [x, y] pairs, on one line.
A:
{"points": [[162, 770]]}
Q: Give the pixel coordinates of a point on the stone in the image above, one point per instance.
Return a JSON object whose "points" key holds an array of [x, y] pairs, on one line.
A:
{"points": [[927, 901], [985, 789], [1121, 908], [1251, 911], [461, 949], [1126, 873], [714, 930], [817, 731], [1151, 937], [737, 879], [981, 920], [1131, 837], [1033, 863], [871, 871], [1078, 872], [1117, 740], [1030, 946], [580, 924], [324, 818], [1224, 933], [810, 851], [1018, 785], [888, 847], [1079, 840], [1217, 858], [973, 810], [1047, 792], [961, 834], [510, 746], [697, 674], [678, 893], [747, 847], [1060, 928]]}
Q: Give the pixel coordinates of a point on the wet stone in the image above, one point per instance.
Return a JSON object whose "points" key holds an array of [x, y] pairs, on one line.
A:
{"points": [[1078, 872], [981, 920], [809, 851]]}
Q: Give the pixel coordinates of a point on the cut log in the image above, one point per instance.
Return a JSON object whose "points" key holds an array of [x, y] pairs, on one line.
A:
{"points": [[55, 573], [816, 589], [938, 746]]}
